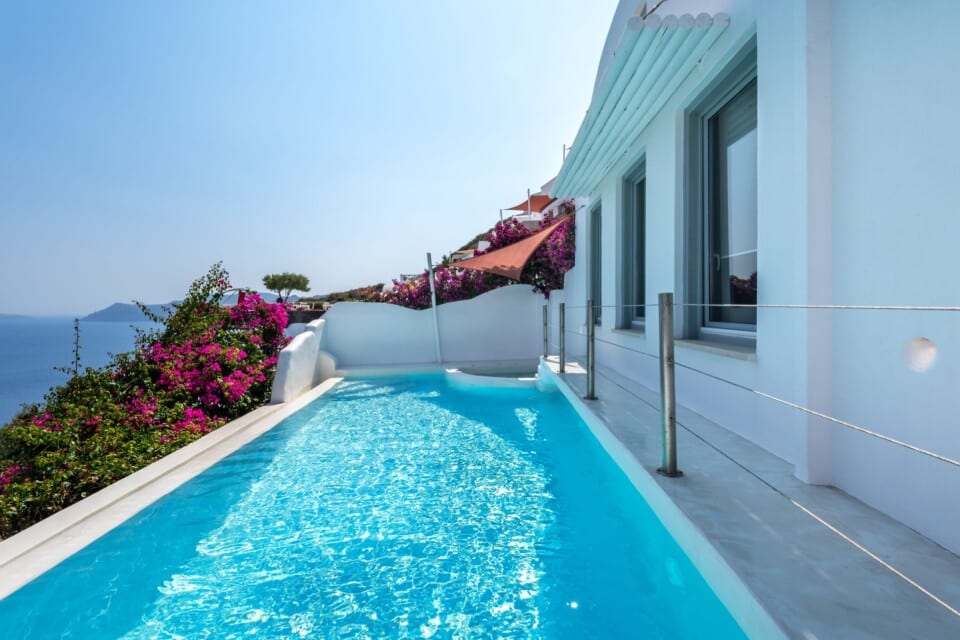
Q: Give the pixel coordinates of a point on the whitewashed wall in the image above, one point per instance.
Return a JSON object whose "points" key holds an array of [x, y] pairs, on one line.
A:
{"points": [[857, 192], [504, 325], [896, 230], [302, 364]]}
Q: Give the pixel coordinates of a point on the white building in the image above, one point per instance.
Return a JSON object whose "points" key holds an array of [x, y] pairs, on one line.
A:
{"points": [[799, 152]]}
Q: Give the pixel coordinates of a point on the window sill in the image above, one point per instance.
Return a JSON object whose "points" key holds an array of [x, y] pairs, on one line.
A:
{"points": [[740, 352], [633, 332]]}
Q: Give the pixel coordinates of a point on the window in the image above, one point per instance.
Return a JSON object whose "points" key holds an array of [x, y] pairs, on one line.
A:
{"points": [[596, 280], [634, 261], [731, 220], [722, 217]]}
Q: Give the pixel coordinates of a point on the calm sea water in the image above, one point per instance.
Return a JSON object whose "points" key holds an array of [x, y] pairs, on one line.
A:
{"points": [[30, 348]]}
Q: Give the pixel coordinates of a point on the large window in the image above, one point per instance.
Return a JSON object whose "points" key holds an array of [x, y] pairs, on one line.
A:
{"points": [[721, 247], [634, 261], [596, 273], [731, 219]]}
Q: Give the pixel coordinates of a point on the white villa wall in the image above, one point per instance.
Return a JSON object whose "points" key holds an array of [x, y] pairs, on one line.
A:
{"points": [[781, 350], [504, 325], [856, 181], [895, 237]]}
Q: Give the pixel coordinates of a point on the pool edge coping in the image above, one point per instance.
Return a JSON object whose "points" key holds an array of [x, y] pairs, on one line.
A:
{"points": [[743, 605], [41, 546]]}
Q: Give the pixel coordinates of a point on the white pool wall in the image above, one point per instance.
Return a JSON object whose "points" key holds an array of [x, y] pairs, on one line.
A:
{"points": [[500, 325]]}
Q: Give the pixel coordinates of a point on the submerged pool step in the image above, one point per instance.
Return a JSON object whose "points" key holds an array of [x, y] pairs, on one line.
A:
{"points": [[501, 380]]}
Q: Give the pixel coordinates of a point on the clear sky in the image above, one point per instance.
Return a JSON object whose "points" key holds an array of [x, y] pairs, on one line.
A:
{"points": [[140, 142]]}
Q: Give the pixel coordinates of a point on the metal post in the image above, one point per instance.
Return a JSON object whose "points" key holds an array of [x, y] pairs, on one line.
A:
{"points": [[546, 348], [668, 397], [563, 336], [591, 357], [433, 303]]}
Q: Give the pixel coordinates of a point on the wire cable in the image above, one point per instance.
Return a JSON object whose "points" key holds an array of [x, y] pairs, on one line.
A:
{"points": [[833, 529], [819, 414], [793, 405], [730, 305]]}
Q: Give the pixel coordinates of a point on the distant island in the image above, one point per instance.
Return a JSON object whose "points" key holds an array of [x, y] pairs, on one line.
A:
{"points": [[12, 316], [128, 312], [122, 312]]}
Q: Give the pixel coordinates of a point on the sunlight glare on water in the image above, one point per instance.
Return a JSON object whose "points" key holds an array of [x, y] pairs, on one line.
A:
{"points": [[390, 508]]}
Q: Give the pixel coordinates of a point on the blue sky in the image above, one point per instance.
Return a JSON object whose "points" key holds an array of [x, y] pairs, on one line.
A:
{"points": [[141, 142]]}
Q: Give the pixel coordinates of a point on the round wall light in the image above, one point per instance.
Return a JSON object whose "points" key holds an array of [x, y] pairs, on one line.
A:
{"points": [[920, 354]]}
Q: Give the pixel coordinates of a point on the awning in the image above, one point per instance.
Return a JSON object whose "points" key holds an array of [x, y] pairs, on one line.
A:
{"points": [[653, 57], [510, 260], [537, 204]]}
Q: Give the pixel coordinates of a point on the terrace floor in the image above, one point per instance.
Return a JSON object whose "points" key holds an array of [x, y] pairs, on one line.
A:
{"points": [[823, 564]]}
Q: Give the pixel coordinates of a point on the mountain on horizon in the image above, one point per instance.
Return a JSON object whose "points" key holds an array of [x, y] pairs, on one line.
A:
{"points": [[122, 312], [128, 312]]}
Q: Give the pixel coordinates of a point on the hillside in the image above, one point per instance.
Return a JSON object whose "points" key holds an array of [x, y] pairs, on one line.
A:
{"points": [[128, 312], [122, 312]]}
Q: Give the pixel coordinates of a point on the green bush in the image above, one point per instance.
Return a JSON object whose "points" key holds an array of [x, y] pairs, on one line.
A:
{"points": [[204, 366]]}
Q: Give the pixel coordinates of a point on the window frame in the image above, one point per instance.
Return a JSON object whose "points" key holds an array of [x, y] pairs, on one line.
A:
{"points": [[741, 71], [633, 259], [595, 260]]}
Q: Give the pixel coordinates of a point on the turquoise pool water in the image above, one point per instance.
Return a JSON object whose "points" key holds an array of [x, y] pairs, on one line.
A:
{"points": [[389, 508]]}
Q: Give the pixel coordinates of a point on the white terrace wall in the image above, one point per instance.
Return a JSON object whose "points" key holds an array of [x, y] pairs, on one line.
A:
{"points": [[857, 192], [301, 365], [895, 235], [503, 326]]}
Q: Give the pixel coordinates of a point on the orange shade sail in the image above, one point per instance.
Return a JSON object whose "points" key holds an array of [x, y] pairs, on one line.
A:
{"points": [[510, 260], [537, 204]]}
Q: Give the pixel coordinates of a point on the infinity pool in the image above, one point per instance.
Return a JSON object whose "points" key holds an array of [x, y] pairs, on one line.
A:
{"points": [[389, 508]]}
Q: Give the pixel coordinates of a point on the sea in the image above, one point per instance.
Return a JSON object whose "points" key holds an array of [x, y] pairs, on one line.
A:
{"points": [[32, 348]]}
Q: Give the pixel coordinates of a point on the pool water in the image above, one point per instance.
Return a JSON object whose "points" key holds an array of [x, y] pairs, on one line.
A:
{"points": [[389, 508]]}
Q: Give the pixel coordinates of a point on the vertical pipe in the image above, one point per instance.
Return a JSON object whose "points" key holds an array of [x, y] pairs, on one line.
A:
{"points": [[433, 302], [668, 397], [546, 347], [591, 356], [563, 338]]}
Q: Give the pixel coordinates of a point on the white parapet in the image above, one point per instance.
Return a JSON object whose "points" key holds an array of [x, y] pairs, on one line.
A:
{"points": [[500, 328], [503, 325], [301, 364]]}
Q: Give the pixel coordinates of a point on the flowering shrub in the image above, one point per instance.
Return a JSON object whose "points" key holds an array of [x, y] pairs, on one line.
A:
{"points": [[544, 270], [205, 365]]}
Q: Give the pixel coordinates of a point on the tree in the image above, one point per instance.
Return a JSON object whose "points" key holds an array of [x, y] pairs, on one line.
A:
{"points": [[286, 283]]}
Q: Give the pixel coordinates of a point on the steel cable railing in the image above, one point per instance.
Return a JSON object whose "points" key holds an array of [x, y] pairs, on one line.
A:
{"points": [[667, 368], [825, 416], [669, 421], [730, 305]]}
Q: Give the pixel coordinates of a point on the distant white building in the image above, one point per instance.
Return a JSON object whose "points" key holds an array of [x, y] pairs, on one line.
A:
{"points": [[786, 153]]}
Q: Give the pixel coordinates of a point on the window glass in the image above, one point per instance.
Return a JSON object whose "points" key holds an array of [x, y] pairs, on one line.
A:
{"points": [[595, 269], [731, 260], [639, 248]]}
